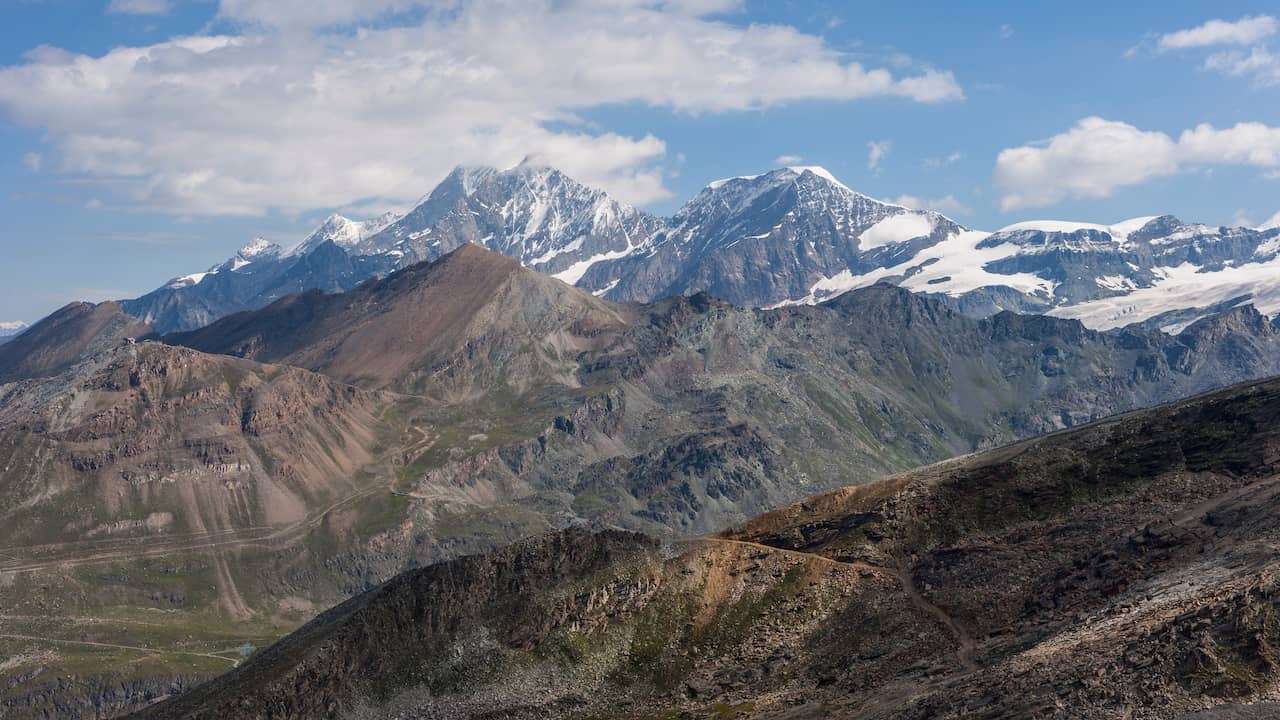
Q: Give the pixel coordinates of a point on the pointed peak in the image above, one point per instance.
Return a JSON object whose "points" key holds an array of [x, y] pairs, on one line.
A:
{"points": [[816, 170], [533, 162], [336, 219], [258, 247]]}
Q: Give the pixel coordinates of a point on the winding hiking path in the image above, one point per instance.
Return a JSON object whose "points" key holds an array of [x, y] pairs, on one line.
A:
{"points": [[113, 646], [966, 645]]}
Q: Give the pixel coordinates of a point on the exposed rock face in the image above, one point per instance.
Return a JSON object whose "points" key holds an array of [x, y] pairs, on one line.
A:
{"points": [[1121, 569]]}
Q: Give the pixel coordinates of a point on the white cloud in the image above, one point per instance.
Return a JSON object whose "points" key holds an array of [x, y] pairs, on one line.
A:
{"points": [[139, 7], [1250, 143], [310, 13], [1098, 156], [938, 162], [947, 205], [1271, 222], [34, 161], [1257, 62], [93, 204], [1244, 31], [296, 119], [1006, 31], [877, 151], [782, 160]]}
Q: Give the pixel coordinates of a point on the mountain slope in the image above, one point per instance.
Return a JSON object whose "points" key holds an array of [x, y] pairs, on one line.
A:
{"points": [[517, 405], [1117, 566], [64, 337], [687, 414], [535, 214], [402, 329], [767, 238], [162, 507]]}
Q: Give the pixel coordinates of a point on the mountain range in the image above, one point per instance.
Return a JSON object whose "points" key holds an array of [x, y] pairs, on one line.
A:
{"points": [[792, 235], [1123, 566], [280, 460]]}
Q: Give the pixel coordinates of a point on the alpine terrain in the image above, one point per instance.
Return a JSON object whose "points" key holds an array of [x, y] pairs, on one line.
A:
{"points": [[278, 461], [1121, 569]]}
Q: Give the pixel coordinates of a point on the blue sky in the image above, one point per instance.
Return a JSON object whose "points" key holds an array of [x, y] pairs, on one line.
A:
{"points": [[143, 139]]}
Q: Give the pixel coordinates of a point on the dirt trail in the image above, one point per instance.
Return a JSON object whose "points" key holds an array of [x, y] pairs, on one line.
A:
{"points": [[967, 646], [113, 646], [1265, 489], [213, 540], [963, 639]]}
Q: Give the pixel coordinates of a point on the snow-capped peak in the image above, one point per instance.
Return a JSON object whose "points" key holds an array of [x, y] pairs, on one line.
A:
{"points": [[9, 328], [344, 232], [258, 247], [820, 172], [783, 174]]}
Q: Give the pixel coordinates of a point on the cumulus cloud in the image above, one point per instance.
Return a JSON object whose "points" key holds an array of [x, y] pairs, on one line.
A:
{"points": [[947, 205], [139, 7], [1245, 31], [1271, 222], [287, 116], [788, 160], [877, 151], [1256, 62], [1097, 156]]}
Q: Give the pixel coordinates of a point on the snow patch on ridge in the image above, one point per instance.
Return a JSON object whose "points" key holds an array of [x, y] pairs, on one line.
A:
{"points": [[1118, 231], [954, 266], [1184, 286], [895, 229]]}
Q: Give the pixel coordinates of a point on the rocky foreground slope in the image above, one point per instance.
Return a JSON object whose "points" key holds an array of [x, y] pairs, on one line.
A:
{"points": [[1125, 569]]}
